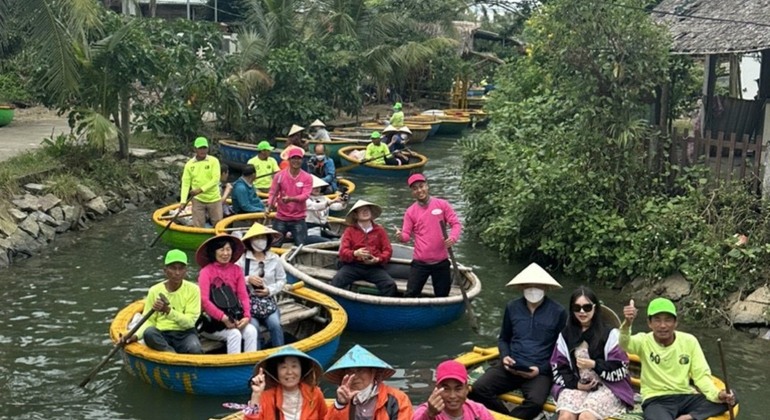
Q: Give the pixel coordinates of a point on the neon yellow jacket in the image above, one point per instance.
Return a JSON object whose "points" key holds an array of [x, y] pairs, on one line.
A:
{"points": [[264, 167], [397, 120], [203, 174], [185, 305], [374, 151]]}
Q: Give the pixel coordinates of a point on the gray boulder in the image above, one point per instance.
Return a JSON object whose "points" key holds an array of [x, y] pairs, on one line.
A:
{"points": [[47, 232], [43, 218], [84, 193], [17, 214], [49, 201], [675, 287], [97, 206], [752, 310], [27, 203], [57, 213], [30, 226], [34, 188]]}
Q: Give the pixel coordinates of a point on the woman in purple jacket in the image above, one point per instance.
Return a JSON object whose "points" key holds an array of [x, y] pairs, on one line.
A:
{"points": [[590, 370]]}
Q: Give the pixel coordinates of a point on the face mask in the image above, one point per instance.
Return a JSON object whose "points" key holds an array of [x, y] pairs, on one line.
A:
{"points": [[320, 157], [365, 394], [533, 294], [259, 244]]}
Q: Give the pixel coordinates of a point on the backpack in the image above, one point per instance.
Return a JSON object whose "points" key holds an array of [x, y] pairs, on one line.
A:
{"points": [[224, 298]]}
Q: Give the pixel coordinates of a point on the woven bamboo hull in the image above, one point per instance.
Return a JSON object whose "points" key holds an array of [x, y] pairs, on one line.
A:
{"points": [[402, 171], [222, 374], [235, 151], [179, 236], [374, 313], [332, 147]]}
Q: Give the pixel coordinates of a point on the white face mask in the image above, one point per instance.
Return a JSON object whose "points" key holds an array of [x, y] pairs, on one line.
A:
{"points": [[259, 244], [320, 157], [533, 294], [365, 394]]}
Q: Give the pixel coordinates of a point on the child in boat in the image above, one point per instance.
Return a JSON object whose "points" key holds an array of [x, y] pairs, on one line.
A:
{"points": [[318, 207]]}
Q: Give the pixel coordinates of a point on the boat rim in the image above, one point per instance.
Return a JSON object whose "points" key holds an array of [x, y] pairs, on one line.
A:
{"points": [[347, 149], [157, 214]]}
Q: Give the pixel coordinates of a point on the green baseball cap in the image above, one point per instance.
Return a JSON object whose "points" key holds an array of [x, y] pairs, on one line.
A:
{"points": [[660, 306], [264, 145], [397, 105], [376, 135], [201, 142], [176, 256]]}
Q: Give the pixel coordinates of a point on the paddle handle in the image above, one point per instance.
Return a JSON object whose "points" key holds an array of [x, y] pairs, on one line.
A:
{"points": [[120, 344], [724, 375], [468, 308], [170, 222]]}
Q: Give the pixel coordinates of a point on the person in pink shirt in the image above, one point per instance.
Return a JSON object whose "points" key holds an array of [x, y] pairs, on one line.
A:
{"points": [[289, 192], [424, 221], [449, 399]]}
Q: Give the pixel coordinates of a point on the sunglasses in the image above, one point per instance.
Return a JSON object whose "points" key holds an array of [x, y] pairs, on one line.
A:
{"points": [[588, 307]]}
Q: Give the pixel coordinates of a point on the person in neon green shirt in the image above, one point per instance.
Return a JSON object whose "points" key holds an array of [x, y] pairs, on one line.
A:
{"points": [[264, 164], [397, 119], [172, 326], [200, 180], [670, 360], [377, 149]]}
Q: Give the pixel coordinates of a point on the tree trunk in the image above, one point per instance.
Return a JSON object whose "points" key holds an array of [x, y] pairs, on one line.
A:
{"points": [[153, 7], [125, 124]]}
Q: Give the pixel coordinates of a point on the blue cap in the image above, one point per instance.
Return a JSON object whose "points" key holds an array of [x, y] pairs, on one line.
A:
{"points": [[358, 357]]}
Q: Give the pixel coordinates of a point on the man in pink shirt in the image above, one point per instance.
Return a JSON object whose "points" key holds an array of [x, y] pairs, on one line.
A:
{"points": [[423, 220], [289, 192]]}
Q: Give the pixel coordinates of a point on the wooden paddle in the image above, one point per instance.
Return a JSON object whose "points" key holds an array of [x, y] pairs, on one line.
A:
{"points": [[170, 222], [349, 167], [724, 376], [120, 344], [468, 308]]}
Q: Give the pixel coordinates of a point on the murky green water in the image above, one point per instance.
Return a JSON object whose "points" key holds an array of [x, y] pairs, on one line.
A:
{"points": [[56, 308]]}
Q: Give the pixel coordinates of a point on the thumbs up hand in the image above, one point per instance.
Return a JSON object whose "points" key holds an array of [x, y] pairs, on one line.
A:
{"points": [[630, 311]]}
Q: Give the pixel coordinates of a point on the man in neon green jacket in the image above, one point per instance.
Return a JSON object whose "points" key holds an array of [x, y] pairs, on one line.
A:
{"points": [[670, 359], [200, 180]]}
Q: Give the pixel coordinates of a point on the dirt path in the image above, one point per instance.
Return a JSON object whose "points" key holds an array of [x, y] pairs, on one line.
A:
{"points": [[28, 129]]}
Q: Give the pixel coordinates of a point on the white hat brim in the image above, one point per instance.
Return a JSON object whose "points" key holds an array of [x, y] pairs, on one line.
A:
{"points": [[534, 275]]}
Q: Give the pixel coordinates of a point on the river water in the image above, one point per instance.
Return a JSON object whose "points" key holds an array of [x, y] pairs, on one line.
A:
{"points": [[56, 309]]}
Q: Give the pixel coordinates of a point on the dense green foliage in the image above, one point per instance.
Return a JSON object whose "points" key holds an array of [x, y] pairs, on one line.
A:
{"points": [[564, 171]]}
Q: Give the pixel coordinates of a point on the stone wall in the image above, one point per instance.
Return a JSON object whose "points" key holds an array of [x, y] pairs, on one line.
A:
{"points": [[30, 221]]}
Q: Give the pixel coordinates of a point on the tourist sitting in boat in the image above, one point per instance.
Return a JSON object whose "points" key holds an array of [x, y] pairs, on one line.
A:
{"points": [[671, 359], [225, 188], [364, 250], [397, 119], [200, 180], [172, 326], [377, 152], [323, 167], [317, 219], [295, 137], [288, 194], [531, 325], [245, 199], [224, 297], [265, 278], [264, 165], [319, 131], [361, 392], [393, 138], [590, 370], [285, 157], [423, 220], [449, 399], [285, 386]]}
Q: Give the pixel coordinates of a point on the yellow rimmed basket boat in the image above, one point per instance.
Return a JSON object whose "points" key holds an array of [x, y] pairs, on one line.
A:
{"points": [[416, 164], [419, 131]]}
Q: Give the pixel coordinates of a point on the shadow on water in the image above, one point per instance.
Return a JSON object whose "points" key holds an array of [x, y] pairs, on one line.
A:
{"points": [[56, 308]]}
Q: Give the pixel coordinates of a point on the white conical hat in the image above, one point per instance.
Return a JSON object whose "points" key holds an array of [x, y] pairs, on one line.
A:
{"points": [[405, 129], [389, 129], [295, 129], [318, 182], [376, 210], [534, 274], [318, 123]]}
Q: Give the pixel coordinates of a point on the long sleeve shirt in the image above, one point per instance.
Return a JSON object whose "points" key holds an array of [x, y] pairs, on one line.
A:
{"points": [[264, 167], [379, 151], [424, 223], [321, 135], [391, 404], [285, 185], [397, 120], [245, 198], [313, 404], [203, 174], [275, 275], [325, 170], [667, 370], [185, 303], [216, 274], [471, 410], [376, 241], [529, 337]]}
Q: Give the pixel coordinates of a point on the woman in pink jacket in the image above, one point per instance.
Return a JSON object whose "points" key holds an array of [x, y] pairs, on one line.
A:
{"points": [[449, 399]]}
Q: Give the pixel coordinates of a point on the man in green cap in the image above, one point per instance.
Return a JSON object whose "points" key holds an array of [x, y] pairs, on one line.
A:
{"points": [[264, 165], [397, 119], [172, 326], [670, 359], [200, 179], [376, 149]]}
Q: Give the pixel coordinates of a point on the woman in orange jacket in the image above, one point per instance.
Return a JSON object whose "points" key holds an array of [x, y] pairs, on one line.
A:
{"points": [[285, 387], [359, 375]]}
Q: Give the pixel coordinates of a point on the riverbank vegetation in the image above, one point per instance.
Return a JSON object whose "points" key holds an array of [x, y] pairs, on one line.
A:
{"points": [[563, 174]]}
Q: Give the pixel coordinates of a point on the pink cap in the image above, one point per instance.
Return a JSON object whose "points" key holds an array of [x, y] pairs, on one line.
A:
{"points": [[296, 152], [451, 369], [415, 178]]}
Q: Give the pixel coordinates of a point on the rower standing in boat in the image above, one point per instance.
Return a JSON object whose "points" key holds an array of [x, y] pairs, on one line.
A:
{"points": [[172, 326], [295, 137], [288, 194], [670, 360], [245, 198], [530, 327], [364, 250], [423, 220], [397, 119], [361, 392], [323, 167], [376, 151], [200, 179], [449, 399], [264, 164], [320, 133]]}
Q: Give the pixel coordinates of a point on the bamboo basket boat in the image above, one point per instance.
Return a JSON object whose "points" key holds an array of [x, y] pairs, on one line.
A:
{"points": [[419, 131], [416, 163]]}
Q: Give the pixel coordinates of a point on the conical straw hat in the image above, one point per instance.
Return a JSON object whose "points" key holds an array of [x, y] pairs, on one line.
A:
{"points": [[405, 129], [258, 229], [311, 369], [318, 182], [534, 274], [295, 129], [358, 357], [376, 210], [389, 129], [317, 123]]}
